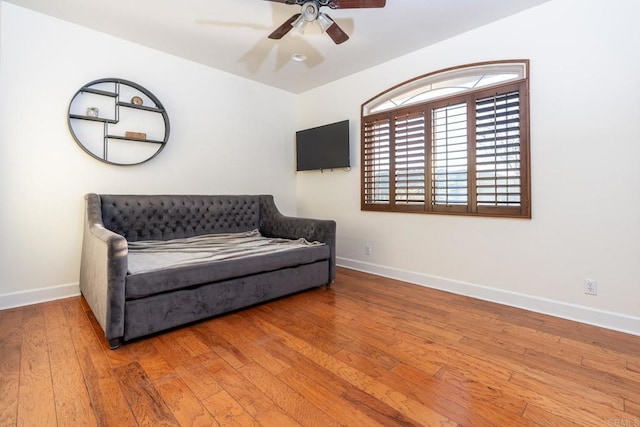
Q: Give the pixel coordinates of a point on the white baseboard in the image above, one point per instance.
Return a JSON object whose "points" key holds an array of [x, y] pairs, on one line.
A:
{"points": [[35, 296], [579, 313]]}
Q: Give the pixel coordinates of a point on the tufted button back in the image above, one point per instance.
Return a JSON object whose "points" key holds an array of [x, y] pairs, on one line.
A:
{"points": [[164, 217]]}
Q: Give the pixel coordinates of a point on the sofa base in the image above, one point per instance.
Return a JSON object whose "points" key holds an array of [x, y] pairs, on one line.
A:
{"points": [[156, 313]]}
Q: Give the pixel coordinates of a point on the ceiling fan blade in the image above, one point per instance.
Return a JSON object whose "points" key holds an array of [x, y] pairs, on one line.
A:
{"points": [[337, 35], [284, 1], [284, 28], [357, 4]]}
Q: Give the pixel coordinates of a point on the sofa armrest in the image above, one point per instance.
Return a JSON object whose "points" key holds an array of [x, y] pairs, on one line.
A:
{"points": [[103, 269], [274, 224]]}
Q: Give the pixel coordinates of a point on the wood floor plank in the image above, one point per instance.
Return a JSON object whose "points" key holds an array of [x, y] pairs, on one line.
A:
{"points": [[175, 354], [225, 349], [401, 297], [563, 389], [545, 418], [399, 305], [227, 411], [369, 337], [73, 406], [467, 322], [415, 410], [10, 357], [265, 353], [255, 402], [152, 361], [35, 393], [306, 327], [326, 399], [367, 350], [358, 400], [383, 325], [581, 332], [374, 409], [633, 409], [421, 387], [253, 344], [496, 405], [294, 404], [416, 353], [187, 409], [602, 381], [144, 399], [366, 337], [524, 339], [599, 353], [200, 377], [107, 401], [181, 400], [525, 364], [617, 370], [191, 342], [562, 402]]}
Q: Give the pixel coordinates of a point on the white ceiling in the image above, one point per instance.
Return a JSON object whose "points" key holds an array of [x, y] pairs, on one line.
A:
{"points": [[231, 35]]}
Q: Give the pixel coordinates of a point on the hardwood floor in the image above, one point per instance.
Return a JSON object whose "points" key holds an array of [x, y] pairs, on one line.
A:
{"points": [[367, 351]]}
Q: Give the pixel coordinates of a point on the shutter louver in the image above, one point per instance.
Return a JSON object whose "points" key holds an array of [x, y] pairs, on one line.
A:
{"points": [[498, 149], [449, 170], [409, 143], [376, 161]]}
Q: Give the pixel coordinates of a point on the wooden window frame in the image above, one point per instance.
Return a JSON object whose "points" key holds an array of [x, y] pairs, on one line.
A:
{"points": [[470, 98]]}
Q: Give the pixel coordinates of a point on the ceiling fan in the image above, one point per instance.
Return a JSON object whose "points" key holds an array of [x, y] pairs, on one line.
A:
{"points": [[311, 12]]}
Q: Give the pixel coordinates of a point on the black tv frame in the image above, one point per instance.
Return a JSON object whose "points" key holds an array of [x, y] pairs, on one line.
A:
{"points": [[323, 147]]}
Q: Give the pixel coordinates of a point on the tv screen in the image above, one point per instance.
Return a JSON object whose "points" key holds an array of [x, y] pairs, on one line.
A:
{"points": [[323, 147]]}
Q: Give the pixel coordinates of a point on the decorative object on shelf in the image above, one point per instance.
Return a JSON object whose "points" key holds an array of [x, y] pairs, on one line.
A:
{"points": [[135, 135], [93, 111], [99, 115]]}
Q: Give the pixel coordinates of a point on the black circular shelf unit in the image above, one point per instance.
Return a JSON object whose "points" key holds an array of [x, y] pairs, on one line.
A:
{"points": [[118, 122]]}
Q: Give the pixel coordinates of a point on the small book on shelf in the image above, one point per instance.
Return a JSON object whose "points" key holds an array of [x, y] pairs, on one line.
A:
{"points": [[135, 135]]}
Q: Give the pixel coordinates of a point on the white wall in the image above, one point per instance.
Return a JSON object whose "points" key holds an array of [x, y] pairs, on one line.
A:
{"points": [[585, 142], [218, 145]]}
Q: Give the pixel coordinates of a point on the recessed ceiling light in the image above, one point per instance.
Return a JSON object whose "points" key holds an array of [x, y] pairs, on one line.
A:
{"points": [[299, 57]]}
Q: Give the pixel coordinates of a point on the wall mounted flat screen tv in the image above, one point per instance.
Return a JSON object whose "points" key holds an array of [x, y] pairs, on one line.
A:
{"points": [[323, 147]]}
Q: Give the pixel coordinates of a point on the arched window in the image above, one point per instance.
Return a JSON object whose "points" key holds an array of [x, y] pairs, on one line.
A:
{"points": [[455, 141]]}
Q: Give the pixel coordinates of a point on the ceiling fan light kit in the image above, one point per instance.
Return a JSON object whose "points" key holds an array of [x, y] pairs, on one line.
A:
{"points": [[324, 21], [299, 24], [311, 12]]}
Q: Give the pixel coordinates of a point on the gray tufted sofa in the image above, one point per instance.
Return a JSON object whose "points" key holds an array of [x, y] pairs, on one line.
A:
{"points": [[129, 306]]}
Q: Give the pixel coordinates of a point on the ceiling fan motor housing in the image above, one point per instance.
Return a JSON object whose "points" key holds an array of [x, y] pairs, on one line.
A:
{"points": [[330, 3], [310, 11]]}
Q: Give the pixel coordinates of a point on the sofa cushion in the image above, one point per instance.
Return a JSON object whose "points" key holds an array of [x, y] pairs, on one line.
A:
{"points": [[159, 281]]}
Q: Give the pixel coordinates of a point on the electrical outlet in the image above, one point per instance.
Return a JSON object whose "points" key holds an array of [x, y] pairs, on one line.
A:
{"points": [[367, 249], [590, 287]]}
